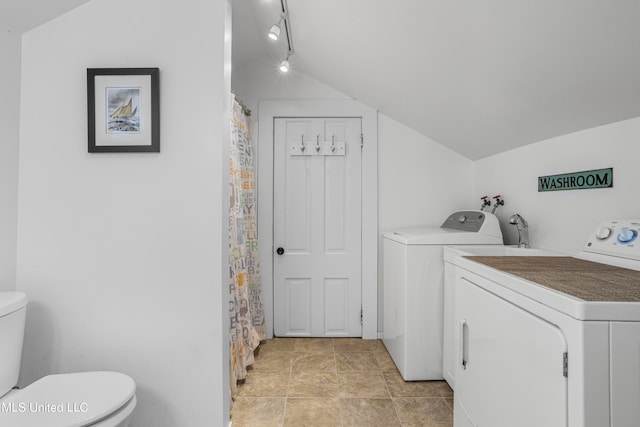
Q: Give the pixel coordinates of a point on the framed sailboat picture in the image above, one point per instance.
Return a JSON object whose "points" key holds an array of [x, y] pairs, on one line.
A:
{"points": [[123, 110]]}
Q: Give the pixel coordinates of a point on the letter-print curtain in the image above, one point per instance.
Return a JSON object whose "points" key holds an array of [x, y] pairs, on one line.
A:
{"points": [[245, 292]]}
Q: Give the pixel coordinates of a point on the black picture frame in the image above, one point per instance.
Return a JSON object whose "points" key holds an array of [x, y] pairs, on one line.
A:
{"points": [[123, 110]]}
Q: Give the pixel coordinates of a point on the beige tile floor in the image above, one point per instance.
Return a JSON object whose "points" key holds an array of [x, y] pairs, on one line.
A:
{"points": [[335, 382]]}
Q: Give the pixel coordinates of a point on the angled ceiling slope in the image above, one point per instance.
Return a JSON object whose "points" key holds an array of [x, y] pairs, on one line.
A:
{"points": [[479, 77], [24, 15]]}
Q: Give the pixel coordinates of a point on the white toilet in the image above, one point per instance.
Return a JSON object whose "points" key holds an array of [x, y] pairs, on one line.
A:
{"points": [[96, 399]]}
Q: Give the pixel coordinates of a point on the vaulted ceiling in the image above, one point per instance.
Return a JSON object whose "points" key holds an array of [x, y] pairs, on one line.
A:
{"points": [[479, 76]]}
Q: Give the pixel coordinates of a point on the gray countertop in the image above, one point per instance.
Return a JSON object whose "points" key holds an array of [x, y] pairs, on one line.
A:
{"points": [[586, 280]]}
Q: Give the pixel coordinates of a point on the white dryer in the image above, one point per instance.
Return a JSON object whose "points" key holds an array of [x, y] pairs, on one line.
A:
{"points": [[413, 291], [557, 333]]}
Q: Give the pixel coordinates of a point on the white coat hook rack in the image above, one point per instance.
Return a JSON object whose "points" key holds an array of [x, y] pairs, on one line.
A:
{"points": [[321, 148]]}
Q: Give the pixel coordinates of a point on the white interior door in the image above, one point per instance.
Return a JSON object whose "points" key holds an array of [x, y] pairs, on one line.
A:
{"points": [[317, 227]]}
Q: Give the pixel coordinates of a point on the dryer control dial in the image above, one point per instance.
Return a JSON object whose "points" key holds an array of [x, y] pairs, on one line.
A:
{"points": [[603, 233], [627, 235]]}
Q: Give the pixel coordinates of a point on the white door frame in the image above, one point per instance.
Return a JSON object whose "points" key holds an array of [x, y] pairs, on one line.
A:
{"points": [[268, 111]]}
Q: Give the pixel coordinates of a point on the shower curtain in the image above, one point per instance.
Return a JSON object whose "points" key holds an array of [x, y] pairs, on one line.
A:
{"points": [[245, 292]]}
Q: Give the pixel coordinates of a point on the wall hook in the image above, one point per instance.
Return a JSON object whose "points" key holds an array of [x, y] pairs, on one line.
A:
{"points": [[302, 147]]}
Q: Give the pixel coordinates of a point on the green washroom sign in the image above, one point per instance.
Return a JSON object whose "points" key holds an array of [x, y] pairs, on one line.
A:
{"points": [[597, 178]]}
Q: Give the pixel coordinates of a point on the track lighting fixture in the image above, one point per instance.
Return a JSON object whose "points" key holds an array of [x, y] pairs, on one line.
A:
{"points": [[274, 32], [284, 65]]}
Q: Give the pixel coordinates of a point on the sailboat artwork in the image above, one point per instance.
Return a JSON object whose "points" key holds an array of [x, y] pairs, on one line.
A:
{"points": [[123, 110]]}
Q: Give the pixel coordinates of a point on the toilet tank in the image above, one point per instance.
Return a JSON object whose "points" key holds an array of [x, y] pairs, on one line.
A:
{"points": [[13, 310]]}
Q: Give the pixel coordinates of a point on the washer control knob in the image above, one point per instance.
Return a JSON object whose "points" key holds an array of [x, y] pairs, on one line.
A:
{"points": [[603, 233], [462, 219], [627, 235]]}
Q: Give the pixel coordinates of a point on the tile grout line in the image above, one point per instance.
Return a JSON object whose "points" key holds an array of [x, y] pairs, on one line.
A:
{"points": [[286, 397], [393, 402], [335, 362]]}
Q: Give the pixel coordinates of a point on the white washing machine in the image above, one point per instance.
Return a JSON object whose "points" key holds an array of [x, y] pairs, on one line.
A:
{"points": [[413, 291]]}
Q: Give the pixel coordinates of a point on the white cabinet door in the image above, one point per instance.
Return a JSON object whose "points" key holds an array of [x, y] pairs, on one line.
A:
{"points": [[625, 374], [510, 364], [317, 223]]}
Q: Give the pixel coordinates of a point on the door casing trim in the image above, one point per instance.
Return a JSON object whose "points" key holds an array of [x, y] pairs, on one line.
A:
{"points": [[268, 111]]}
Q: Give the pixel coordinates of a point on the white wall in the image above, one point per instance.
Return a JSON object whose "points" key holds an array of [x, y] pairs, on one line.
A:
{"points": [[562, 220], [121, 254], [420, 181], [10, 43]]}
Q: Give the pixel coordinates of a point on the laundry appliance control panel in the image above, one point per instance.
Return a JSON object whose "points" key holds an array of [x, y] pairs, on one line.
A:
{"points": [[471, 221], [618, 238]]}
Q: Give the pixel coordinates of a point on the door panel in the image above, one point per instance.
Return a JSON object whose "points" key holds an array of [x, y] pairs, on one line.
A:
{"points": [[295, 176], [335, 205], [317, 211], [335, 308], [298, 297]]}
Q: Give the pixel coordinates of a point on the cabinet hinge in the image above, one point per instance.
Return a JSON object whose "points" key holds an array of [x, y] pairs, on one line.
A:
{"points": [[565, 364], [361, 315], [361, 140]]}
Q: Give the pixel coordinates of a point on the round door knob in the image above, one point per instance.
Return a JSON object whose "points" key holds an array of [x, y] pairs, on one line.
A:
{"points": [[280, 251]]}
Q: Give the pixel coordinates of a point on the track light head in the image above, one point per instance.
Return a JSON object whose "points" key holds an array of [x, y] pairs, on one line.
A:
{"points": [[284, 66], [274, 33]]}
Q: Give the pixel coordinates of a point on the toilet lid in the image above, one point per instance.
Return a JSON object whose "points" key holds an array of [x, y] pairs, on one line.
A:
{"points": [[67, 400], [11, 301]]}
